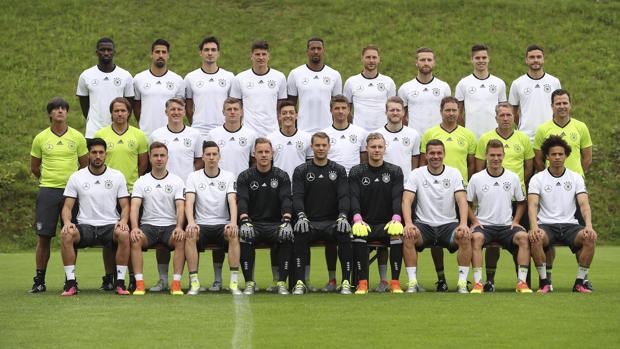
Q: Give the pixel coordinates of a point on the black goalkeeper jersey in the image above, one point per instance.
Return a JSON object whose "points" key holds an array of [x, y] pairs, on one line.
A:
{"points": [[321, 192], [376, 192], [265, 197]]}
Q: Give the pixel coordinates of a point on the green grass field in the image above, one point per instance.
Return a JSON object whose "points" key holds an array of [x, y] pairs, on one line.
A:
{"points": [[429, 320]]}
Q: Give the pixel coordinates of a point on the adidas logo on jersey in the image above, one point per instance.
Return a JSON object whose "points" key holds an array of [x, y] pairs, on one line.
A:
{"points": [[97, 182], [370, 85], [425, 89], [59, 143], [158, 82], [176, 139], [120, 141], [264, 185], [449, 139], [261, 82], [482, 86], [537, 86], [376, 179], [289, 143], [496, 184], [158, 186], [321, 176], [316, 77], [343, 137], [211, 80], [436, 182], [232, 139], [558, 184], [395, 139]]}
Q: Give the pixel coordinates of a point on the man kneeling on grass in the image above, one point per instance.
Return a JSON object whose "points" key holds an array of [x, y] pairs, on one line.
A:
{"points": [[160, 194], [98, 189]]}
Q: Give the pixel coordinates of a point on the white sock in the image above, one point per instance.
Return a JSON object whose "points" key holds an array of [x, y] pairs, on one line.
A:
{"points": [[70, 272], [163, 272], [307, 273], [522, 273], [463, 272], [193, 277], [581, 272], [234, 276], [542, 271], [176, 277], [332, 274], [139, 277], [477, 275], [217, 270], [411, 273], [121, 270], [383, 272], [275, 273]]}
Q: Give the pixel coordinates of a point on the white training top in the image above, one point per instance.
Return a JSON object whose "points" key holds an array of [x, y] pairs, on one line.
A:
{"points": [[557, 196], [423, 101], [495, 195], [208, 92], [533, 96], [400, 146], [260, 95], [346, 145], [236, 148], [211, 196], [290, 152], [435, 194], [153, 92], [183, 148], [480, 97], [102, 88], [97, 195], [315, 90], [368, 97], [159, 198]]}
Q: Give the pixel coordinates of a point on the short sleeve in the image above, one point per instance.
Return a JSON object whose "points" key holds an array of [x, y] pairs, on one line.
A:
{"points": [[424, 140], [71, 190], [122, 187], [35, 149], [415, 148], [471, 189], [410, 182], [136, 89], [231, 185], [282, 94], [402, 93], [480, 148], [528, 150], [128, 91], [518, 191], [458, 91], [580, 184], [513, 97], [189, 94], [143, 143], [82, 87], [363, 135], [501, 92], [137, 191], [235, 89], [534, 187], [180, 192], [539, 137], [198, 144], [586, 141], [292, 84], [180, 92], [471, 146], [457, 181], [189, 183], [81, 145], [348, 90], [446, 90], [337, 89], [392, 88]]}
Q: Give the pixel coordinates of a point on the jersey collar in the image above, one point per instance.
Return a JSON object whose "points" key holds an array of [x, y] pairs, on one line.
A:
{"points": [[425, 83], [528, 75], [255, 73], [159, 179], [183, 129], [563, 172], [215, 72], [205, 172], [439, 174], [490, 175]]}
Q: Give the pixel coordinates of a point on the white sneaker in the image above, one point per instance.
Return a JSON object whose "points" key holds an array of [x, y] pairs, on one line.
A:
{"points": [[249, 288], [194, 288], [461, 287], [413, 287], [300, 288], [345, 288], [160, 286], [282, 289], [273, 288], [234, 288]]}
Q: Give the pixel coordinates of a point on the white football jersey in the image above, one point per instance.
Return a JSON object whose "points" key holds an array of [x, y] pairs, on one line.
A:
{"points": [[260, 95], [153, 92], [211, 196], [368, 97], [400, 146], [97, 195], [315, 90], [290, 152], [183, 148], [346, 145], [494, 196], [236, 148], [557, 196], [533, 96], [208, 91], [423, 101], [101, 88], [159, 198], [480, 97], [435, 194]]}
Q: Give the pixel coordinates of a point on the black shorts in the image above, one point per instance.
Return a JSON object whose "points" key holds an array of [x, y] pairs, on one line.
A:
{"points": [[48, 208], [266, 232], [156, 234], [502, 234], [564, 234], [212, 234], [439, 236], [322, 231], [91, 235]]}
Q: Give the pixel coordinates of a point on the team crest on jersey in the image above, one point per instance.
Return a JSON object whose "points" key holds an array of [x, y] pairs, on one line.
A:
{"points": [[187, 142], [71, 145], [492, 88], [517, 148], [117, 81], [221, 185], [254, 185], [327, 80], [107, 184], [568, 186], [310, 177], [460, 142], [385, 178], [168, 188], [86, 186], [271, 84], [436, 92], [381, 87], [507, 186], [365, 181], [353, 138], [274, 183], [299, 145], [146, 85], [221, 82], [406, 141], [249, 84], [485, 188], [170, 85], [243, 141], [547, 88], [471, 90], [446, 183], [131, 143], [573, 136], [200, 84], [548, 188], [333, 175], [202, 186]]}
